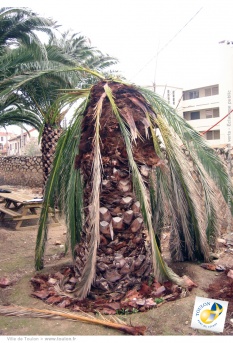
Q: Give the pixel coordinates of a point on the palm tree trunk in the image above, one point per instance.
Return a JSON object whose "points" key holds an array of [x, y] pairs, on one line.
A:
{"points": [[124, 255], [49, 141]]}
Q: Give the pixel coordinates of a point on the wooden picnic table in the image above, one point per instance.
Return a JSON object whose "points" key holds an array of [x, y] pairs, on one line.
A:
{"points": [[18, 207]]}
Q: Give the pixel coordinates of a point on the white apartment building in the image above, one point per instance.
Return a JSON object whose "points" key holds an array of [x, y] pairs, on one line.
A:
{"points": [[203, 108], [206, 105]]}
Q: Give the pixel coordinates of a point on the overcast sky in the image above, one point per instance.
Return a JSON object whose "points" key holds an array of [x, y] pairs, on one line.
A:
{"points": [[169, 42]]}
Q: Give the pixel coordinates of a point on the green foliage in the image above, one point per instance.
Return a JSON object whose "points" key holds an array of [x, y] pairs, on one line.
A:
{"points": [[159, 300], [127, 311]]}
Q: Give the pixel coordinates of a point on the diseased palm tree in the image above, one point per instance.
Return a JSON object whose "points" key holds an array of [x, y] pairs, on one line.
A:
{"points": [[118, 170]]}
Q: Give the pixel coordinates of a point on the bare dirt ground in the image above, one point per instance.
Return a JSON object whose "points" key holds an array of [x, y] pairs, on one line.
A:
{"points": [[17, 249]]}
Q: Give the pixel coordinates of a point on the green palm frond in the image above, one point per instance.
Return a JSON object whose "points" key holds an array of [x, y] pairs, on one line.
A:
{"points": [[19, 26], [165, 210], [48, 202], [19, 115], [70, 185], [65, 186], [11, 84], [22, 19]]}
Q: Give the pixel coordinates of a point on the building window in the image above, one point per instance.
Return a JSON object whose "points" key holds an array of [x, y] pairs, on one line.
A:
{"points": [[173, 98], [1, 146], [168, 96], [195, 115], [215, 134], [215, 90], [186, 115], [193, 94], [1, 139], [15, 146], [208, 92], [211, 91], [212, 113]]}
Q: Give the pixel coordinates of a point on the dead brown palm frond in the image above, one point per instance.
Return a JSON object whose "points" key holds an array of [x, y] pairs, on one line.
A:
{"points": [[88, 274], [19, 311]]}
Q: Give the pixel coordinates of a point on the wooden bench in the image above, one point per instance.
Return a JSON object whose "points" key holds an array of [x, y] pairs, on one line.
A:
{"points": [[11, 213], [21, 207], [20, 217]]}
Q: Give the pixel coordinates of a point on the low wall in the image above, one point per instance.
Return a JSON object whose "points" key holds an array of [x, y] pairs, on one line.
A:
{"points": [[25, 171]]}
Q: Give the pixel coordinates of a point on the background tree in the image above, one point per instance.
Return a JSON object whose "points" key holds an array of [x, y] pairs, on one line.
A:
{"points": [[126, 178], [37, 97], [40, 95]]}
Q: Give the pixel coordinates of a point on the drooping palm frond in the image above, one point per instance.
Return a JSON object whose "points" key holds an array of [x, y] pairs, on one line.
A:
{"points": [[93, 230], [188, 197], [18, 116], [11, 84], [48, 202], [65, 187]]}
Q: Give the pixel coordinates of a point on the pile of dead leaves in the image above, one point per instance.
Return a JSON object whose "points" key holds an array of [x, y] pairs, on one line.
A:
{"points": [[46, 288]]}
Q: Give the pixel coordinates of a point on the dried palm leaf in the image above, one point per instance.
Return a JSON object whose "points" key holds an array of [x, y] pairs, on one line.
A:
{"points": [[19, 311], [88, 274]]}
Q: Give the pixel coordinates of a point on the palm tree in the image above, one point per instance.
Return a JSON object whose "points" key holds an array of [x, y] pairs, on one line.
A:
{"points": [[42, 93], [38, 96], [118, 170]]}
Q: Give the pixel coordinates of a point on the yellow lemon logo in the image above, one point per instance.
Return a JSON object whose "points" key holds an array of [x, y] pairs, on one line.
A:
{"points": [[208, 316]]}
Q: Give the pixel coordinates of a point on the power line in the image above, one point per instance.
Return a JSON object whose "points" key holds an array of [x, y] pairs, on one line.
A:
{"points": [[156, 56], [202, 134]]}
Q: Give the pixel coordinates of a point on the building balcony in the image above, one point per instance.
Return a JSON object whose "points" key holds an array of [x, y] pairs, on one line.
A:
{"points": [[204, 124], [202, 103]]}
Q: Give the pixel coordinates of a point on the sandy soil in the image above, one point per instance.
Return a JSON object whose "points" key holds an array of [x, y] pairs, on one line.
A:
{"points": [[17, 265]]}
